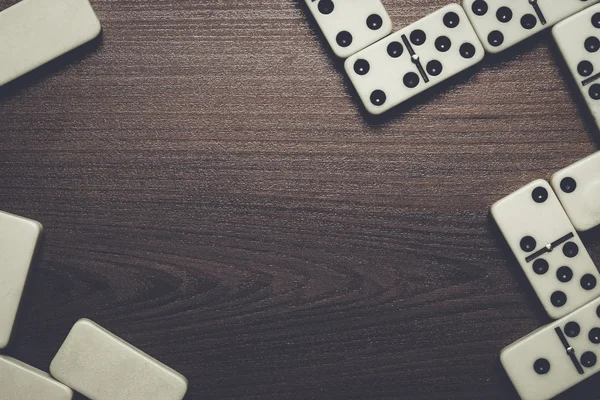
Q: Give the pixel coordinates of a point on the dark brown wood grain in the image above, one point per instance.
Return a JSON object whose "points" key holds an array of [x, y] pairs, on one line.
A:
{"points": [[212, 193]]}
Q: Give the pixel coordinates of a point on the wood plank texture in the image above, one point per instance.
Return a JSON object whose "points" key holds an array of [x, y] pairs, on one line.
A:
{"points": [[212, 192]]}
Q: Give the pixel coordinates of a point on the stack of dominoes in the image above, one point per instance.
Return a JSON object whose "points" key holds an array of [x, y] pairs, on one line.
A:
{"points": [[91, 360], [540, 221]]}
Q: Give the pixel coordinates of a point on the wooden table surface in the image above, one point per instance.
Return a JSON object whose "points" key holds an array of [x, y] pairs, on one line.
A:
{"points": [[212, 193]]}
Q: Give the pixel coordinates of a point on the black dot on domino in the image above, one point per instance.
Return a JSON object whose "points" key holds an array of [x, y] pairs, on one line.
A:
{"points": [[418, 37], [585, 68], [568, 185], [495, 38], [594, 335], [467, 50], [572, 329], [564, 274], [570, 250], [326, 7], [539, 195], [596, 20], [598, 311], [362, 67], [540, 266], [451, 20], [344, 39], [558, 299], [374, 22], [411, 80], [588, 359], [504, 14], [592, 44], [479, 7], [594, 91], [378, 98], [588, 282], [528, 21], [528, 244], [434, 67], [541, 366], [395, 49], [443, 44]]}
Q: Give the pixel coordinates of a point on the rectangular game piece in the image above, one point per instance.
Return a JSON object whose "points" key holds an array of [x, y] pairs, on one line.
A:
{"points": [[350, 25], [578, 189], [501, 24], [578, 41], [556, 357], [18, 241], [414, 59], [548, 248], [19, 381], [102, 366], [33, 32]]}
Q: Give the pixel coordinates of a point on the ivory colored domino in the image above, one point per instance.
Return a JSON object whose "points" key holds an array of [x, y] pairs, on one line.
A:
{"points": [[578, 189], [18, 240], [549, 250], [33, 32], [19, 381], [578, 40], [557, 356], [350, 25], [102, 366], [501, 24], [414, 59]]}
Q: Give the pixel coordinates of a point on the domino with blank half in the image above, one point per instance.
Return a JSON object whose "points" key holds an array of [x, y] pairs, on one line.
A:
{"points": [[34, 32], [102, 366], [578, 189], [578, 40], [18, 241], [19, 381], [549, 250]]}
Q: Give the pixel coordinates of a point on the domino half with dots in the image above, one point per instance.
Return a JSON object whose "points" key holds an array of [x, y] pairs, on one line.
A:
{"points": [[102, 366], [19, 381]]}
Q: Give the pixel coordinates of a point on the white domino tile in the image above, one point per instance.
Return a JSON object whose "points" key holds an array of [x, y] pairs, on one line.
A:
{"points": [[19, 381], [578, 40], [33, 32], [578, 189], [548, 248], [502, 24], [18, 240], [557, 356], [414, 59], [102, 366], [350, 25]]}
